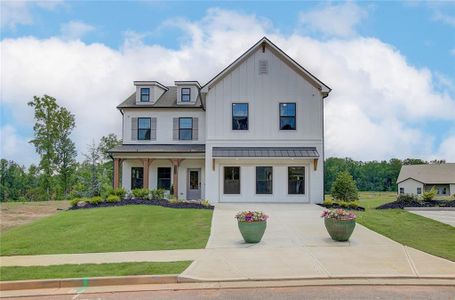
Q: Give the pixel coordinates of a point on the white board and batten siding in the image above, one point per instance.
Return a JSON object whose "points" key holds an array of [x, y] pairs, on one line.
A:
{"points": [[264, 81]]}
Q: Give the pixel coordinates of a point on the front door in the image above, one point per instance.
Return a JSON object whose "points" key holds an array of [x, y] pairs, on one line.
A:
{"points": [[193, 185]]}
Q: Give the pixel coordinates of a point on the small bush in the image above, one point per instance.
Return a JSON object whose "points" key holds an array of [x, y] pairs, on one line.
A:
{"points": [[121, 192], [407, 198], [157, 194], [205, 203], [113, 198], [141, 193], [343, 204], [327, 202], [173, 200], [429, 195], [344, 188], [354, 204], [75, 201], [95, 200]]}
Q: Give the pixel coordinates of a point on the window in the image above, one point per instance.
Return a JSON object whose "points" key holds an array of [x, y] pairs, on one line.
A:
{"points": [[185, 95], [137, 178], [240, 116], [419, 191], [287, 116], [401, 190], [185, 129], [143, 128], [264, 180], [232, 180], [145, 94], [296, 180], [164, 178]]}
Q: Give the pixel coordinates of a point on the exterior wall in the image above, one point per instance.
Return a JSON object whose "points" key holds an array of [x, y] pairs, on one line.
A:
{"points": [[410, 186], [164, 125]]}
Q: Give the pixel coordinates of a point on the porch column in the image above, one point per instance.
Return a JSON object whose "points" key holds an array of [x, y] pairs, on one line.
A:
{"points": [[146, 164], [116, 172], [175, 165]]}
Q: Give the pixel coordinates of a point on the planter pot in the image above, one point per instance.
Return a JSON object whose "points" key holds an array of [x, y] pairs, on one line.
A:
{"points": [[252, 232], [339, 230]]}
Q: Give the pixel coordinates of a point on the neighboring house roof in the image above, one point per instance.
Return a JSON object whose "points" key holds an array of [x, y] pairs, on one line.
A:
{"points": [[428, 173], [159, 148], [167, 100], [325, 90], [265, 152]]}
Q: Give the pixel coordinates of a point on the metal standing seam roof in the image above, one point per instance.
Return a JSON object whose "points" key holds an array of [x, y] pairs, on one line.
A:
{"points": [[159, 148], [265, 152]]}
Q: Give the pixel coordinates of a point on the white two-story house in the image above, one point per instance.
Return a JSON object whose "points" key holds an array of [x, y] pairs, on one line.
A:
{"points": [[253, 133]]}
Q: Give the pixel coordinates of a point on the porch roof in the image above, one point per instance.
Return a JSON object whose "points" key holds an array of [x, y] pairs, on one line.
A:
{"points": [[304, 152], [159, 148]]}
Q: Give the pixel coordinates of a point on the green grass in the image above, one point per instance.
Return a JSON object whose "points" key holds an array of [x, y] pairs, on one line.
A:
{"points": [[92, 270], [406, 228], [127, 228]]}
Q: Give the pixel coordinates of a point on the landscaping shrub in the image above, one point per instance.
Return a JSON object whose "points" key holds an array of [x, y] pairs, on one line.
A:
{"points": [[157, 194], [206, 203], [173, 200], [429, 195], [113, 198], [344, 188], [121, 192], [327, 202], [407, 198], [141, 193], [75, 201], [95, 200]]}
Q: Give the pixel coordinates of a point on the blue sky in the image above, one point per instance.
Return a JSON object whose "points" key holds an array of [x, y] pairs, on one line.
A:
{"points": [[414, 38]]}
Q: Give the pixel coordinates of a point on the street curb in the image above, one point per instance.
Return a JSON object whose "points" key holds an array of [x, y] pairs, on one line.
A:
{"points": [[86, 282]]}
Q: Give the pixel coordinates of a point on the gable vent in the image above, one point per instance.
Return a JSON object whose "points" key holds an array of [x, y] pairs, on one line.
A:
{"points": [[263, 67]]}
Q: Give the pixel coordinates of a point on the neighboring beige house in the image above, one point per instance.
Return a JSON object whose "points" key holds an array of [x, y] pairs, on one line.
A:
{"points": [[414, 179]]}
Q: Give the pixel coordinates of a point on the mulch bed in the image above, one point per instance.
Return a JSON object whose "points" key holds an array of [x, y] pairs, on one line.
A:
{"points": [[427, 203], [164, 203], [358, 208]]}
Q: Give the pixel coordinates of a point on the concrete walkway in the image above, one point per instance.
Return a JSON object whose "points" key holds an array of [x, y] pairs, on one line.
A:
{"points": [[443, 216], [296, 245]]}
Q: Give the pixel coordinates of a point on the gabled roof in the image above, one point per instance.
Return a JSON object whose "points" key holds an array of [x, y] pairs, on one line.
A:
{"points": [[265, 42], [428, 173], [167, 100]]}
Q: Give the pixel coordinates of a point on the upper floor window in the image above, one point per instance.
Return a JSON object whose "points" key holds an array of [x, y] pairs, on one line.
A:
{"points": [[143, 128], [240, 116], [185, 95], [145, 94], [185, 128], [287, 116]]}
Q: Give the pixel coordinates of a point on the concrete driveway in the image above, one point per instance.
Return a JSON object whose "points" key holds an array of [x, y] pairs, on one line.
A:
{"points": [[443, 216], [296, 245]]}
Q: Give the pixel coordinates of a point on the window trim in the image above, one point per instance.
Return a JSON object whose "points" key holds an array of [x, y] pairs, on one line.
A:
{"points": [[256, 169], [182, 94], [304, 181], [224, 181], [150, 128], [191, 129], [247, 116], [295, 115], [142, 94]]}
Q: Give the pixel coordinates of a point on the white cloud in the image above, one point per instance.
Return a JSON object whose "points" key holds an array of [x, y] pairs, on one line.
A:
{"points": [[75, 30], [377, 105], [13, 147], [15, 12], [447, 149], [334, 19], [444, 18]]}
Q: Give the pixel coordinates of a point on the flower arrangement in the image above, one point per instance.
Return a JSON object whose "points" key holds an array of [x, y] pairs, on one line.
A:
{"points": [[251, 216], [339, 214]]}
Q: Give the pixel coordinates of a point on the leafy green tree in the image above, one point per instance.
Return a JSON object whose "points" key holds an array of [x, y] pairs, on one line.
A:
{"points": [[106, 143], [92, 161], [344, 188], [13, 183]]}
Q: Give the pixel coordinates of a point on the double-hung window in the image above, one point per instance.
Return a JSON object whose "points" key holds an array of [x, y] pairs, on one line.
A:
{"points": [[296, 180], [185, 95], [185, 129], [264, 180], [143, 128], [145, 94], [240, 116], [287, 116]]}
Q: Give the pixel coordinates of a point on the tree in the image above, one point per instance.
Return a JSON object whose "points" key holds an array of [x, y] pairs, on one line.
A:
{"points": [[344, 188], [13, 182], [92, 160], [106, 143], [414, 161]]}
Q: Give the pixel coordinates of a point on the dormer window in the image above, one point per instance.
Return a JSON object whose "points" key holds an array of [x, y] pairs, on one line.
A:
{"points": [[185, 95], [145, 94]]}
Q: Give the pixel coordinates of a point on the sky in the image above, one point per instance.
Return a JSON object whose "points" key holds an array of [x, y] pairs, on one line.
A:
{"points": [[391, 65]]}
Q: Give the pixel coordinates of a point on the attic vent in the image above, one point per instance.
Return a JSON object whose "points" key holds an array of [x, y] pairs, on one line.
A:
{"points": [[263, 67]]}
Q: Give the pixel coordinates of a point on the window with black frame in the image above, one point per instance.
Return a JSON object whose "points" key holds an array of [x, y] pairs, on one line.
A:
{"points": [[240, 116], [231, 180], [137, 178], [296, 180], [185, 95], [145, 94], [143, 128], [287, 116], [164, 178], [264, 180], [185, 129]]}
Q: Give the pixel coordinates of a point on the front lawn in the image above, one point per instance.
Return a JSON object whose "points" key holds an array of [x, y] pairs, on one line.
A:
{"points": [[92, 270], [126, 228], [406, 228]]}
